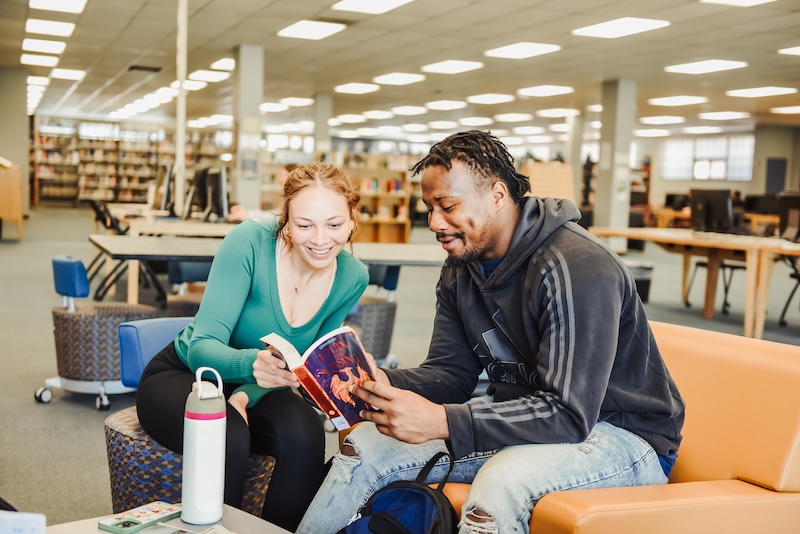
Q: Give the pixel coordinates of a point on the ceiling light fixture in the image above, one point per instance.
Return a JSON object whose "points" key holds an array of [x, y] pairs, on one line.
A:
{"points": [[786, 110], [226, 63], [409, 110], [311, 29], [415, 127], [701, 129], [651, 132], [371, 7], [621, 27], [296, 102], [682, 100], [662, 119], [209, 75], [538, 139], [443, 125], [757, 92], [378, 114], [49, 27], [596, 108], [40, 61], [723, 115], [64, 6], [43, 46], [522, 50], [351, 118], [68, 74], [545, 90], [452, 66], [513, 117], [272, 107], [558, 113], [446, 105], [793, 51], [38, 80], [398, 78], [490, 98], [475, 121], [357, 88], [706, 66], [737, 3], [189, 85], [527, 130]]}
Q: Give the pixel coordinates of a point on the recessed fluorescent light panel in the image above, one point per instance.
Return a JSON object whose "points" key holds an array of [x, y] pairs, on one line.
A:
{"points": [[527, 130], [43, 46], [371, 7], [351, 118], [522, 50], [446, 105], [398, 78], [793, 51], [418, 138], [296, 102], [545, 90], [558, 112], [662, 119], [415, 127], [490, 98], [651, 132], [452, 66], [621, 27], [409, 110], [511, 141], [723, 115], [209, 75], [560, 127], [38, 80], [311, 29], [513, 117], [64, 6], [189, 85], [67, 74], [704, 67], [443, 125], [737, 3], [475, 121], [226, 63], [682, 100], [378, 114], [40, 61], [756, 92], [701, 129], [596, 108], [272, 107], [787, 110], [49, 27], [540, 139], [357, 88]]}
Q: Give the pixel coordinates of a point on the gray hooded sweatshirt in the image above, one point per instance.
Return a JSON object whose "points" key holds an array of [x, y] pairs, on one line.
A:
{"points": [[562, 334]]}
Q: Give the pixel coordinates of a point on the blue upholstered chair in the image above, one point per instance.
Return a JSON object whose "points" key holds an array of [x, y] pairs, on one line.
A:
{"points": [[141, 469], [85, 332], [181, 273], [373, 317]]}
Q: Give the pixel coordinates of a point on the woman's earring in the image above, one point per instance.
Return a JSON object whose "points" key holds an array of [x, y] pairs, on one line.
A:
{"points": [[288, 235]]}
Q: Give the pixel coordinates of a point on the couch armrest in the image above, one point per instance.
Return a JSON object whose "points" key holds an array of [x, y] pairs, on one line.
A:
{"points": [[730, 506]]}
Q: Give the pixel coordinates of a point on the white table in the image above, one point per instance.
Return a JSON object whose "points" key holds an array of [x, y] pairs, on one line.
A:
{"points": [[233, 519]]}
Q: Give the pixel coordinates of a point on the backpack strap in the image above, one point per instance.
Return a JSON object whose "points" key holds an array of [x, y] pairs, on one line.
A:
{"points": [[429, 466]]}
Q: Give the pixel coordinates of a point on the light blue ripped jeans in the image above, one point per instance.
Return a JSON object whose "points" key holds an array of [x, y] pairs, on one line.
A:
{"points": [[506, 484]]}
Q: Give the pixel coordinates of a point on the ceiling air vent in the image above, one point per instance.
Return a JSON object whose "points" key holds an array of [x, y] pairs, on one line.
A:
{"points": [[144, 68]]}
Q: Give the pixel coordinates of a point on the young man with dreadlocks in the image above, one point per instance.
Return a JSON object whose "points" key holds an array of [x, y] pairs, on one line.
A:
{"points": [[579, 395]]}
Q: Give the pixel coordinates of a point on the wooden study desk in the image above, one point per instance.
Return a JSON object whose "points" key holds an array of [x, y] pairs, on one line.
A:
{"points": [[166, 248], [715, 248], [767, 256]]}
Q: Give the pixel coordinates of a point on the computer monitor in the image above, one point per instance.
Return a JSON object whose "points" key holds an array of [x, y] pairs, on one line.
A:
{"points": [[712, 210], [165, 190], [208, 195], [676, 201], [789, 213], [638, 198], [761, 204]]}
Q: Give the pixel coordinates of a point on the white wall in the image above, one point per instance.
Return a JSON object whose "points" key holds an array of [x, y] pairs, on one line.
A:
{"points": [[14, 123]]}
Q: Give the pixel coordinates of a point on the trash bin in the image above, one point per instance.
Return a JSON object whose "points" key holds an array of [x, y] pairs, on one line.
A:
{"points": [[642, 275]]}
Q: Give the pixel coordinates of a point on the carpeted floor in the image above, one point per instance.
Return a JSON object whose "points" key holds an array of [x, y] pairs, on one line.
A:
{"points": [[52, 457]]}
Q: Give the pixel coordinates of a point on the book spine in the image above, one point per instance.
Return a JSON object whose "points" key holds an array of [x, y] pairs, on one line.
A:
{"points": [[311, 386]]}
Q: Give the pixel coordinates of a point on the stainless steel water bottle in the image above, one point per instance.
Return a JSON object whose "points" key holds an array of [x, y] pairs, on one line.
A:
{"points": [[204, 423]]}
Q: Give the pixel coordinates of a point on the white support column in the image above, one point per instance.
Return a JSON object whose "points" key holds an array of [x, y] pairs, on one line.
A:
{"points": [[612, 188], [248, 93], [572, 154], [323, 111], [179, 169]]}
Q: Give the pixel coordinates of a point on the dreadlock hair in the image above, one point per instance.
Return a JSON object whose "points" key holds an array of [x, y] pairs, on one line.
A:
{"points": [[484, 155]]}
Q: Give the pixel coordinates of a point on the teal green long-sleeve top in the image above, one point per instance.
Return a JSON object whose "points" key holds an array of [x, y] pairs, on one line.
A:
{"points": [[241, 304]]}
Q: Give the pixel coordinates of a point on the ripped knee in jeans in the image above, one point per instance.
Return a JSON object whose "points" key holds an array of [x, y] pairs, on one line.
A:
{"points": [[478, 521]]}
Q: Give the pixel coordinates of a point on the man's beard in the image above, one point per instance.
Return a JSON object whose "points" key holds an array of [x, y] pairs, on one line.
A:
{"points": [[470, 253]]}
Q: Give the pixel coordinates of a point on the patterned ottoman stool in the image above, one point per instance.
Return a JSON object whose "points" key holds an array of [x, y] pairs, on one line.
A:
{"points": [[143, 471]]}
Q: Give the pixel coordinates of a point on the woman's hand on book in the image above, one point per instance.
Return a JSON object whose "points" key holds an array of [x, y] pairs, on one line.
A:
{"points": [[239, 401], [403, 414], [270, 371]]}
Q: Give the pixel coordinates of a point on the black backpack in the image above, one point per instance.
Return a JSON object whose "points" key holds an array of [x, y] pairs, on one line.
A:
{"points": [[408, 507]]}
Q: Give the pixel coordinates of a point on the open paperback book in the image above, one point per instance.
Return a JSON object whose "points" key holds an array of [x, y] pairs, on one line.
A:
{"points": [[327, 370]]}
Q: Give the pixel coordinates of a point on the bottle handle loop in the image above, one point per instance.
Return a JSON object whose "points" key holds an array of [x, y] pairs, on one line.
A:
{"points": [[212, 391]]}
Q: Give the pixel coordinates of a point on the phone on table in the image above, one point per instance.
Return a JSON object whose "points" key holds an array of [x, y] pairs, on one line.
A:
{"points": [[141, 517]]}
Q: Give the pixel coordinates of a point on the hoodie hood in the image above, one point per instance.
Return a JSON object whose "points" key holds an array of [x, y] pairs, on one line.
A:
{"points": [[540, 217]]}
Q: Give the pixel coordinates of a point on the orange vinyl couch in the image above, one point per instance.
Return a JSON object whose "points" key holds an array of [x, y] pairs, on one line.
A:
{"points": [[738, 468]]}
